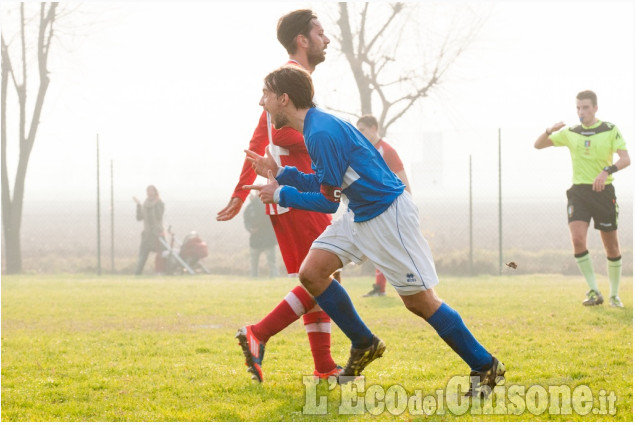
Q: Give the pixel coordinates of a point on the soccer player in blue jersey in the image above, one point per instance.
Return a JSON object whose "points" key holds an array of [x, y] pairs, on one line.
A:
{"points": [[381, 225]]}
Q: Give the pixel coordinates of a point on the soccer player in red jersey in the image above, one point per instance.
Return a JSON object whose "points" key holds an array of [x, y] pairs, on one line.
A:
{"points": [[303, 37], [369, 127]]}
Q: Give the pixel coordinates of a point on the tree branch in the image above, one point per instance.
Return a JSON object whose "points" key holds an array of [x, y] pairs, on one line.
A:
{"points": [[396, 9]]}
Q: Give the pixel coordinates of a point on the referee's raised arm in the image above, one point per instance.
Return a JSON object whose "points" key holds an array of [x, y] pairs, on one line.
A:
{"points": [[543, 141]]}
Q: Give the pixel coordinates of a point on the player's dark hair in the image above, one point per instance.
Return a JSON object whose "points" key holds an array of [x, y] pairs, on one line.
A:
{"points": [[588, 94], [291, 25], [295, 82], [368, 120]]}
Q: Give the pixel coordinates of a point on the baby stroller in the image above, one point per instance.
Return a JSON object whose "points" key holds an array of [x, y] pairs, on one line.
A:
{"points": [[187, 256]]}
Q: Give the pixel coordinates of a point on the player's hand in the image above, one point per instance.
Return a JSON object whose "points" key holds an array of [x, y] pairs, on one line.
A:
{"points": [[600, 181], [266, 190], [134, 198], [262, 164], [230, 211], [557, 126]]}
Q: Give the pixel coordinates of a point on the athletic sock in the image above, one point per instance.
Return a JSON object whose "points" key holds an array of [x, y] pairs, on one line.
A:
{"points": [[318, 329], [586, 268], [295, 304], [615, 272], [338, 305], [450, 327], [380, 280]]}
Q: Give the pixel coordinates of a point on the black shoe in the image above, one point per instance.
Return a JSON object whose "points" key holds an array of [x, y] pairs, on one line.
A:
{"points": [[360, 358], [593, 298], [376, 292], [482, 383]]}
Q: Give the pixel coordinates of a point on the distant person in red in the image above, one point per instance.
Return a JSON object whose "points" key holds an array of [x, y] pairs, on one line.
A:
{"points": [[303, 37], [151, 213], [369, 127]]}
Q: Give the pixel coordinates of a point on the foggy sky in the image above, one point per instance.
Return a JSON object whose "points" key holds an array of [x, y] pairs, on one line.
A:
{"points": [[172, 89]]}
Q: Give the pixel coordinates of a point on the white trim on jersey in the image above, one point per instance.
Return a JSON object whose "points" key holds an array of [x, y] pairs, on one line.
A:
{"points": [[276, 151], [350, 177]]}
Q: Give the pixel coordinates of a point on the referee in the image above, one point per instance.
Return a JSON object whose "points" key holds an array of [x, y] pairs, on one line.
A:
{"points": [[592, 145]]}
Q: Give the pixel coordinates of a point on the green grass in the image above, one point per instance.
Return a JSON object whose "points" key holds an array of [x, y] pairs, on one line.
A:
{"points": [[112, 348]]}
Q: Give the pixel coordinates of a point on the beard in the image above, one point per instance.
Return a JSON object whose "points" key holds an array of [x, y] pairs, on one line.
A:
{"points": [[315, 55], [279, 121]]}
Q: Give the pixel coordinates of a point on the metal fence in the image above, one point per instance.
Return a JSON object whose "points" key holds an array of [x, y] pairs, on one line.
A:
{"points": [[526, 224]]}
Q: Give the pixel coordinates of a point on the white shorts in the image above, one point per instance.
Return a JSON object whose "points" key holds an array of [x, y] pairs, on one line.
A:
{"points": [[392, 241]]}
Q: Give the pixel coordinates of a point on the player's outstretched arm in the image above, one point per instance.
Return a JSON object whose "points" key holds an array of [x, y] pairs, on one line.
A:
{"points": [[543, 141], [230, 211]]}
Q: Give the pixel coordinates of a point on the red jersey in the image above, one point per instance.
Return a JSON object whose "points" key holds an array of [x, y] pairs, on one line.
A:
{"points": [[297, 229], [287, 148], [390, 156]]}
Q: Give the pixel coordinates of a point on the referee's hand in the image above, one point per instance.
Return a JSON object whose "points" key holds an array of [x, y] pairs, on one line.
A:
{"points": [[600, 181]]}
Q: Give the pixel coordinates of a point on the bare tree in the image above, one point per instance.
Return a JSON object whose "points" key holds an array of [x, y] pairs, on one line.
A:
{"points": [[28, 117], [397, 57]]}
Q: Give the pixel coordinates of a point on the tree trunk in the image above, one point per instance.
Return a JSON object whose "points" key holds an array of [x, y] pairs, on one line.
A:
{"points": [[12, 206], [362, 81], [12, 248]]}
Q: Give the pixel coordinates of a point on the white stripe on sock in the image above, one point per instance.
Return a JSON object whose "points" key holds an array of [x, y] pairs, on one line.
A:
{"points": [[324, 327], [295, 304]]}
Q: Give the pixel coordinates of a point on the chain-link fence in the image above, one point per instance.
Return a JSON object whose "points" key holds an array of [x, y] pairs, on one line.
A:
{"points": [[468, 234]]}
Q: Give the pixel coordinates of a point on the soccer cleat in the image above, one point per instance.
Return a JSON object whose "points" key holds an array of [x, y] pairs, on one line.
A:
{"points": [[327, 375], [615, 301], [482, 383], [360, 358], [254, 352], [375, 292], [593, 298]]}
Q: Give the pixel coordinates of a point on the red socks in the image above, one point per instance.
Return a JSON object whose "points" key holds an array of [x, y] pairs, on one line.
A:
{"points": [[317, 324], [318, 329], [295, 304]]}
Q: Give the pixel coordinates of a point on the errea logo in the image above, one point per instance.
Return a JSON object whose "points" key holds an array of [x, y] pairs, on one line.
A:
{"points": [[410, 278]]}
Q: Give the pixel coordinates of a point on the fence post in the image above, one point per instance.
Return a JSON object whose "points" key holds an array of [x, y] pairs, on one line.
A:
{"points": [[112, 218], [500, 207], [98, 216], [471, 224]]}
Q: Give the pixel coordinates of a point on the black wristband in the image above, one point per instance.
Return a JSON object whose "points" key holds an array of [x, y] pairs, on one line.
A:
{"points": [[610, 169]]}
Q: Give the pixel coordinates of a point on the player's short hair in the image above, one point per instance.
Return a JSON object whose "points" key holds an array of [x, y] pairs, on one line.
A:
{"points": [[291, 25], [368, 120], [295, 82], [588, 94]]}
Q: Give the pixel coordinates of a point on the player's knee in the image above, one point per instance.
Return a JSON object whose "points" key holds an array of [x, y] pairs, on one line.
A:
{"points": [[416, 309], [307, 277], [424, 304]]}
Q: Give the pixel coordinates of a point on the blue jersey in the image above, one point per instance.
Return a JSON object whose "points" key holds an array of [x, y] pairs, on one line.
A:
{"points": [[345, 162]]}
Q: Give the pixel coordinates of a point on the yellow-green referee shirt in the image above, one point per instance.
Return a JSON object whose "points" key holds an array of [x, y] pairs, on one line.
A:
{"points": [[591, 149]]}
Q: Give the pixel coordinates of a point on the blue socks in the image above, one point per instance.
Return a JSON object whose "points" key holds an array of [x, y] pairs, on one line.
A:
{"points": [[337, 304], [450, 327], [446, 321]]}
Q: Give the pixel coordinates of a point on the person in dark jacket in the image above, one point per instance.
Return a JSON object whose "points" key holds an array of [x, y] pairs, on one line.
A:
{"points": [[261, 236], [151, 213]]}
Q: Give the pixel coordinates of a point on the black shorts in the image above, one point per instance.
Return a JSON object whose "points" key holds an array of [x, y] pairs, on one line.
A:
{"points": [[583, 203]]}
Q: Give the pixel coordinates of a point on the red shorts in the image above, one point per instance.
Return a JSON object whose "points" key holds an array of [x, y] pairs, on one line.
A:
{"points": [[296, 230]]}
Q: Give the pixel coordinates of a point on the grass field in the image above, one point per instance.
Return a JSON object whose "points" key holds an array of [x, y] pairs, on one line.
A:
{"points": [[110, 348]]}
